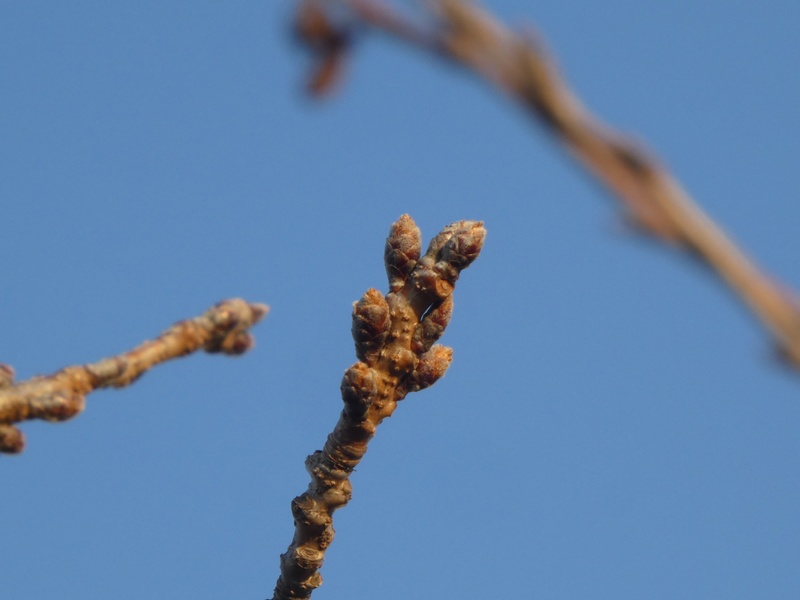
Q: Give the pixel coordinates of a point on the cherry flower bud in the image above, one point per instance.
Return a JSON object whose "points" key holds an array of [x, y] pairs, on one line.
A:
{"points": [[402, 251], [432, 326], [370, 323], [432, 366], [359, 388]]}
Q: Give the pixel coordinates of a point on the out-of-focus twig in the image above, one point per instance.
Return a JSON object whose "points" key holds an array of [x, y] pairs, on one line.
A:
{"points": [[328, 44], [395, 338], [653, 200], [62, 395]]}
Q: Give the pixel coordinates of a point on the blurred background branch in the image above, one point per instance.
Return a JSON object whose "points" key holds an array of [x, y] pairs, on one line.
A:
{"points": [[518, 64]]}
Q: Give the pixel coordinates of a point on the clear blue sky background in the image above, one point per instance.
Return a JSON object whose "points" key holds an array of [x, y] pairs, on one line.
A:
{"points": [[613, 425]]}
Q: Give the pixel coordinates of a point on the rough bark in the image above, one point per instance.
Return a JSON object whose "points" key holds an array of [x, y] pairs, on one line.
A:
{"points": [[395, 341]]}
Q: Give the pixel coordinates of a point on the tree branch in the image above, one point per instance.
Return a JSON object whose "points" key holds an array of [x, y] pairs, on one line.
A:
{"points": [[62, 395], [520, 66], [395, 343]]}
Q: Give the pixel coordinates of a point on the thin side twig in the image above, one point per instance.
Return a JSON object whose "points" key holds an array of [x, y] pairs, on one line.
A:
{"points": [[652, 198], [62, 395], [395, 338]]}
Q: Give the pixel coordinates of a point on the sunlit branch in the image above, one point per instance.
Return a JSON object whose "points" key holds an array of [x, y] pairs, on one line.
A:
{"points": [[62, 395], [395, 338]]}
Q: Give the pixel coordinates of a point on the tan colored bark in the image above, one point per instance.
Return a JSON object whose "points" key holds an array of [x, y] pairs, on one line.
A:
{"points": [[62, 395]]}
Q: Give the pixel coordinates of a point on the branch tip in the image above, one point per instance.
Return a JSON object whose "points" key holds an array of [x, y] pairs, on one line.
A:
{"points": [[62, 395], [394, 337]]}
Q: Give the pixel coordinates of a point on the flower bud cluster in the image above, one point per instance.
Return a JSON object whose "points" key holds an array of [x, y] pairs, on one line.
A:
{"points": [[395, 336], [395, 342]]}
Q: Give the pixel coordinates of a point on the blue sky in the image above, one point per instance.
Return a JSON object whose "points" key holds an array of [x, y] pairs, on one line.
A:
{"points": [[613, 424]]}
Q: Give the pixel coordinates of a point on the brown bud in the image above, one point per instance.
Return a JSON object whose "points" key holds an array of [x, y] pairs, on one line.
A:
{"points": [[370, 323], [403, 246], [231, 319], [359, 388], [235, 343], [465, 245], [59, 405], [432, 366], [432, 326], [460, 250], [440, 239], [12, 440], [238, 343], [451, 251]]}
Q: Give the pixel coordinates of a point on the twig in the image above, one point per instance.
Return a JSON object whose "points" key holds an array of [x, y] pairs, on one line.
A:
{"points": [[395, 343], [653, 200], [62, 395]]}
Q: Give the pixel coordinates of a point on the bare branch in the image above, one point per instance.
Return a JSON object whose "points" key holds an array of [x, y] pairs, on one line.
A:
{"points": [[395, 341], [62, 395], [652, 199]]}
